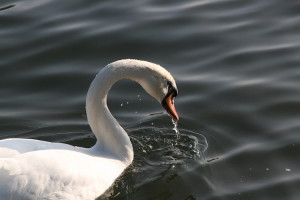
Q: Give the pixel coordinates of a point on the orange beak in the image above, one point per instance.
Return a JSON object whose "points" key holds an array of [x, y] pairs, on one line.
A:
{"points": [[168, 104]]}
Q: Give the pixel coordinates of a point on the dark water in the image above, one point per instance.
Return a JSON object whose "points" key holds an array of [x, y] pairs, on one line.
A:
{"points": [[237, 66]]}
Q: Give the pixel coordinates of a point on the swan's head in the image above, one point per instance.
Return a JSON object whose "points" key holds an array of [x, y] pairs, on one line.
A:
{"points": [[160, 84], [155, 80]]}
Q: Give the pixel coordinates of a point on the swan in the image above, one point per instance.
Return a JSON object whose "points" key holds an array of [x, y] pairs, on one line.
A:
{"points": [[33, 169]]}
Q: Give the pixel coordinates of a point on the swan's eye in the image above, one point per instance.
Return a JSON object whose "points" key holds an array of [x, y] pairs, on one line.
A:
{"points": [[170, 86], [171, 89]]}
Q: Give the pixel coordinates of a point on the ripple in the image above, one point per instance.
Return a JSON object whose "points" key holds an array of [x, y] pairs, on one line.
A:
{"points": [[162, 146], [256, 168], [159, 147]]}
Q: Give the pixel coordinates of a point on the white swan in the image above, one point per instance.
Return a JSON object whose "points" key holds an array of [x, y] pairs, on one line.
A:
{"points": [[33, 169]]}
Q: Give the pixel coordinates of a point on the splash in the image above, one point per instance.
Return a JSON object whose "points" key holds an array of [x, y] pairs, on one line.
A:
{"points": [[175, 128]]}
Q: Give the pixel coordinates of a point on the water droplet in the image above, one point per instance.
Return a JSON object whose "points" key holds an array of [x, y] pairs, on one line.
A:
{"points": [[175, 126]]}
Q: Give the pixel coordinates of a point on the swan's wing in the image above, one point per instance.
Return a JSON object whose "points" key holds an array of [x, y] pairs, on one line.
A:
{"points": [[9, 168], [32, 177], [56, 174], [8, 153]]}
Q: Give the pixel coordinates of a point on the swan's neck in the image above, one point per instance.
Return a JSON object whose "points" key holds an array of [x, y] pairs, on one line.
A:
{"points": [[111, 137]]}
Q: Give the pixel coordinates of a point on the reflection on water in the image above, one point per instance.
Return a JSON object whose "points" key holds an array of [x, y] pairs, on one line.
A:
{"points": [[236, 64]]}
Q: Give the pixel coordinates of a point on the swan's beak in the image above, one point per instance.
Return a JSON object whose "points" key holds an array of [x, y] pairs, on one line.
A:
{"points": [[168, 104]]}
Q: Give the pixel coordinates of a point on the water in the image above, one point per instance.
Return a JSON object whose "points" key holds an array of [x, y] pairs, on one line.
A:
{"points": [[237, 67]]}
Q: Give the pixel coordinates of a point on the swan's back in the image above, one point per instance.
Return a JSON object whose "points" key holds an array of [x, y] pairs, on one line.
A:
{"points": [[56, 173]]}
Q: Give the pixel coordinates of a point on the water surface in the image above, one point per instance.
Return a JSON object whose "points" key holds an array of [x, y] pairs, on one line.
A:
{"points": [[237, 67]]}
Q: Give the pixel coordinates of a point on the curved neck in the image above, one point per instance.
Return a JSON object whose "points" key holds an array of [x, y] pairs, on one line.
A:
{"points": [[111, 137]]}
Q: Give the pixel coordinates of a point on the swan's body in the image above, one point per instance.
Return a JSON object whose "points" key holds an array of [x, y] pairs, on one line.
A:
{"points": [[33, 169]]}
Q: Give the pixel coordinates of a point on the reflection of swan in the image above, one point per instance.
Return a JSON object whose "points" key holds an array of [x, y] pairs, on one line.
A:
{"points": [[33, 169]]}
